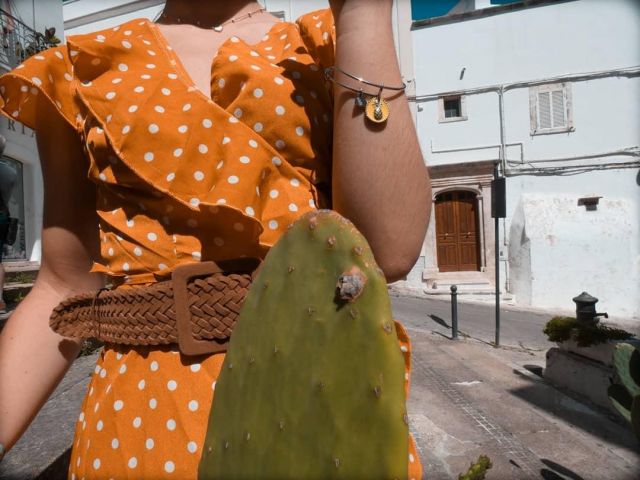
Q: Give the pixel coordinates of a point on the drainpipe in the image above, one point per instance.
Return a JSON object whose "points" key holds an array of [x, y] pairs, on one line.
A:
{"points": [[507, 283], [503, 166], [502, 134]]}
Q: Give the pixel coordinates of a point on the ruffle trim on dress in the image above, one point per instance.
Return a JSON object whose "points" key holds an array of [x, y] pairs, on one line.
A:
{"points": [[318, 31], [48, 74], [197, 152]]}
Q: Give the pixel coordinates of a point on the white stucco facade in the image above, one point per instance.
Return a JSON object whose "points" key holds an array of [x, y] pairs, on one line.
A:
{"points": [[551, 248]]}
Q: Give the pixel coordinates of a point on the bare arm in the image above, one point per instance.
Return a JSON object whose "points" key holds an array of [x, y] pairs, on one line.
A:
{"points": [[380, 181], [33, 359]]}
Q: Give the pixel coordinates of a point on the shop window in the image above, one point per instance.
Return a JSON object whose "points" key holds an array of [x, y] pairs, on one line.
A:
{"points": [[12, 192]]}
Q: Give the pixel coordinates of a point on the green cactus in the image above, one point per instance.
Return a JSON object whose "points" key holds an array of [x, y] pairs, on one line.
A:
{"points": [[313, 382], [625, 396]]}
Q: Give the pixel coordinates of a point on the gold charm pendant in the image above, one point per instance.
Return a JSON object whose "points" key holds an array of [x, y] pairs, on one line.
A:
{"points": [[377, 110]]}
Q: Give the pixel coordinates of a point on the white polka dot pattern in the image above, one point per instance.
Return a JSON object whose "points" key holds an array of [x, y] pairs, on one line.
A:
{"points": [[160, 433], [122, 443]]}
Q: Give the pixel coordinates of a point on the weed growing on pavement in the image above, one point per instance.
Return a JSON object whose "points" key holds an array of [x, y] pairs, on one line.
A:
{"points": [[477, 470]]}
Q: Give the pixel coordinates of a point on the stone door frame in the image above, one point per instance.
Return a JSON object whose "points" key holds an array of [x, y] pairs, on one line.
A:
{"points": [[474, 177]]}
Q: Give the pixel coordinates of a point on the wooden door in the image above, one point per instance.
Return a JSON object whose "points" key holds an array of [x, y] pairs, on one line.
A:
{"points": [[457, 232]]}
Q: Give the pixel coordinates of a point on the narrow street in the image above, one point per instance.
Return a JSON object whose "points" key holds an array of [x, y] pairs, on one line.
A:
{"points": [[469, 398], [477, 320]]}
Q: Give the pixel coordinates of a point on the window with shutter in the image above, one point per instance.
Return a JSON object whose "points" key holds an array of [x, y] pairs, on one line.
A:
{"points": [[550, 108]]}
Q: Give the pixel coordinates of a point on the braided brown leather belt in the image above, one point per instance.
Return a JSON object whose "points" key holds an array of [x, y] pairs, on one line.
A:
{"points": [[196, 309]]}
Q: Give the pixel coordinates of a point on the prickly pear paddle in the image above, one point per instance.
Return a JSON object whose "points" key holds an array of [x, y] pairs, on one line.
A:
{"points": [[313, 382]]}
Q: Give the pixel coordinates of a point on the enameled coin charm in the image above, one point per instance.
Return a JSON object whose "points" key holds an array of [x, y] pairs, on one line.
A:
{"points": [[377, 110]]}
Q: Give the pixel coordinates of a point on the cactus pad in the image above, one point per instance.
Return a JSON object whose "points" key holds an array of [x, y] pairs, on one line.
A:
{"points": [[313, 382], [626, 359], [625, 396]]}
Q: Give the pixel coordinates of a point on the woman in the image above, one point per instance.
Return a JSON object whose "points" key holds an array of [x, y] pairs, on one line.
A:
{"points": [[189, 162]]}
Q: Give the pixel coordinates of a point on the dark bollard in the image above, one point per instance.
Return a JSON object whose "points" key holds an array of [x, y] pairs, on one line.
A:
{"points": [[454, 312]]}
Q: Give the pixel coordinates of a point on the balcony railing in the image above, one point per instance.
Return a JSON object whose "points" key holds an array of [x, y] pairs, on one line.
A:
{"points": [[20, 41]]}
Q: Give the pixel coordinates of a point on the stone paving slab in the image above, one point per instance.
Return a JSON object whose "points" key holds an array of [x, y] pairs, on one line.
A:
{"points": [[468, 398], [43, 451]]}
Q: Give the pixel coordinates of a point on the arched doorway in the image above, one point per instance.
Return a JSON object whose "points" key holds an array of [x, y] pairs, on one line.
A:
{"points": [[457, 235]]}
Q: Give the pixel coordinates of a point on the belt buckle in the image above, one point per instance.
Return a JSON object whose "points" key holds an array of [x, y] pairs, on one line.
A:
{"points": [[180, 277]]}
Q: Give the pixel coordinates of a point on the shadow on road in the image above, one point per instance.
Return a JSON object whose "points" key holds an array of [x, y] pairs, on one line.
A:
{"points": [[556, 469], [439, 321], [547, 398]]}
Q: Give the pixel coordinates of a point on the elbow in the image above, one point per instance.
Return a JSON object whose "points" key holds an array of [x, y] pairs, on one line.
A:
{"points": [[398, 257], [397, 267]]}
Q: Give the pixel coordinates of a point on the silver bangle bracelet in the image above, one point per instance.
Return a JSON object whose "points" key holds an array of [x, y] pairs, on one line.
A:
{"points": [[375, 107], [329, 73]]}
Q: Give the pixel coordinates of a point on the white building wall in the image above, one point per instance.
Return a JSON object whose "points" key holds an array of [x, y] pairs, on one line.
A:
{"points": [[565, 249], [543, 41], [38, 14], [21, 142]]}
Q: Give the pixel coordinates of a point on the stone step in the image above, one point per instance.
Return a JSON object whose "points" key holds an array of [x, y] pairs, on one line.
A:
{"points": [[437, 288], [480, 293], [476, 280], [21, 266], [17, 286], [19, 279], [13, 294]]}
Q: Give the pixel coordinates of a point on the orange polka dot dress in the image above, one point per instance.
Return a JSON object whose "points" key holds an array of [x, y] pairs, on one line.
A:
{"points": [[181, 177]]}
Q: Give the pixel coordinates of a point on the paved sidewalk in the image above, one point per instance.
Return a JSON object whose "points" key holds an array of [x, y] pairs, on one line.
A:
{"points": [[43, 452], [469, 399]]}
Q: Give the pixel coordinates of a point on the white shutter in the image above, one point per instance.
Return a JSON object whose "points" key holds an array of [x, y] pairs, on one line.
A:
{"points": [[544, 110], [550, 108], [559, 108]]}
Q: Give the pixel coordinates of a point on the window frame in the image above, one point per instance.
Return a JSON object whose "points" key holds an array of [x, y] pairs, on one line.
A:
{"points": [[463, 109], [534, 93]]}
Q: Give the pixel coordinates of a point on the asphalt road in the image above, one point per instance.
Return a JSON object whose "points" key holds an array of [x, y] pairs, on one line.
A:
{"points": [[517, 328]]}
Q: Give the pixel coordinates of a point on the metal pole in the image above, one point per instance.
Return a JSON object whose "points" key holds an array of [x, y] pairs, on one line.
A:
{"points": [[497, 266], [454, 312]]}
